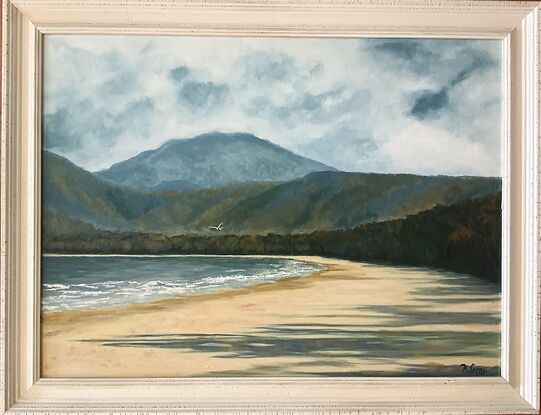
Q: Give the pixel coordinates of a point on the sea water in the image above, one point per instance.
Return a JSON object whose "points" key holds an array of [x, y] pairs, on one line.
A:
{"points": [[80, 282]]}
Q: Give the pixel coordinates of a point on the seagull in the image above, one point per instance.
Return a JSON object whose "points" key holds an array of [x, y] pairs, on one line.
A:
{"points": [[217, 228]]}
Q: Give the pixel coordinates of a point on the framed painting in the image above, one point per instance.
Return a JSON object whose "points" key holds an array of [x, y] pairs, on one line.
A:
{"points": [[284, 206]]}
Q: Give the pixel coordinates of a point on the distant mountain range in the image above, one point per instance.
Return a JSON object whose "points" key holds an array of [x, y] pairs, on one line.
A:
{"points": [[210, 160], [251, 185]]}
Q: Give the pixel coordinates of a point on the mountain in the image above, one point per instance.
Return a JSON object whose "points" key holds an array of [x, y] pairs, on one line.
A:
{"points": [[325, 200], [210, 160], [339, 200], [75, 192]]}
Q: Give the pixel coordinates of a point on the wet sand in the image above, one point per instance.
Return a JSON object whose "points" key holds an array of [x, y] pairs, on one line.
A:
{"points": [[351, 319]]}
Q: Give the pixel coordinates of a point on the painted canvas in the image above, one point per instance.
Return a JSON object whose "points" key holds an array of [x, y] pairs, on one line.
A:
{"points": [[218, 206]]}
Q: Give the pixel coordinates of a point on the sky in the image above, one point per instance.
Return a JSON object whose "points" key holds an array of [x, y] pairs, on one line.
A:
{"points": [[422, 106]]}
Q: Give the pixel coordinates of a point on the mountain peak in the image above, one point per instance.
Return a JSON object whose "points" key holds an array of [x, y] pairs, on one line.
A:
{"points": [[216, 138], [211, 160]]}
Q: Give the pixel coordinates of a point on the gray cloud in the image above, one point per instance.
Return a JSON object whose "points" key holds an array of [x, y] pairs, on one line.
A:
{"points": [[429, 104], [268, 67], [414, 54], [203, 94], [120, 83], [136, 117], [179, 73], [447, 61], [193, 94], [58, 131], [446, 65], [317, 69], [316, 108], [480, 61], [69, 127]]}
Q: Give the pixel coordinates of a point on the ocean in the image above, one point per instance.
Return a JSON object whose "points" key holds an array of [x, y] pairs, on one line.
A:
{"points": [[78, 282]]}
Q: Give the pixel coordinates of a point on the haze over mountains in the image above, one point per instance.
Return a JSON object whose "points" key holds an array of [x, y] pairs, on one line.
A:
{"points": [[210, 160], [251, 185]]}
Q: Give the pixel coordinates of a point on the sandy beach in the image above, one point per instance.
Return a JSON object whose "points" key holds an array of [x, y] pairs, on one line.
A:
{"points": [[350, 319]]}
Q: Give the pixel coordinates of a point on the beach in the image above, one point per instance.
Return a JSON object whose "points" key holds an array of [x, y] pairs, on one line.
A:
{"points": [[349, 319]]}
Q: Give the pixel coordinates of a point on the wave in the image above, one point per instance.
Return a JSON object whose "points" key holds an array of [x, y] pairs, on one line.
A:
{"points": [[81, 295]]}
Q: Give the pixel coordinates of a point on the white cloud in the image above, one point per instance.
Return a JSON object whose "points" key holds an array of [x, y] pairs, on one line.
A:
{"points": [[415, 149]]}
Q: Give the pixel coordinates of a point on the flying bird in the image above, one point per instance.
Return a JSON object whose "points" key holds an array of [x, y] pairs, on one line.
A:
{"points": [[217, 228]]}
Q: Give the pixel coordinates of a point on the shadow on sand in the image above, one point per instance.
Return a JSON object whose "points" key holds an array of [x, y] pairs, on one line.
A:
{"points": [[391, 335]]}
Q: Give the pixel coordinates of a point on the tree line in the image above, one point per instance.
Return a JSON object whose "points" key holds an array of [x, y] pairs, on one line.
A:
{"points": [[465, 237]]}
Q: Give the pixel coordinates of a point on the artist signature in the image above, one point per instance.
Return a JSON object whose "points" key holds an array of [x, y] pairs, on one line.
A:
{"points": [[473, 370]]}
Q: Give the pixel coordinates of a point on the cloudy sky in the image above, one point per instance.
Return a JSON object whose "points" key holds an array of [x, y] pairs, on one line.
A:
{"points": [[378, 105]]}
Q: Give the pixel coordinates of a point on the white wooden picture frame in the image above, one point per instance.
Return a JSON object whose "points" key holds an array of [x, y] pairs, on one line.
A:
{"points": [[25, 22]]}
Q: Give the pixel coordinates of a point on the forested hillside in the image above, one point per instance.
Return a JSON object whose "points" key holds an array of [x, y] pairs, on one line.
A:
{"points": [[327, 200], [465, 237]]}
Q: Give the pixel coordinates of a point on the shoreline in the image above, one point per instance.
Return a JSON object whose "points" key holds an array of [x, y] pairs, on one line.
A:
{"points": [[200, 296], [184, 297], [330, 315], [306, 258]]}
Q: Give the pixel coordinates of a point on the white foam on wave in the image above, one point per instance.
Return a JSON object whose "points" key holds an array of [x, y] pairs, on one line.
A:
{"points": [[58, 297]]}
